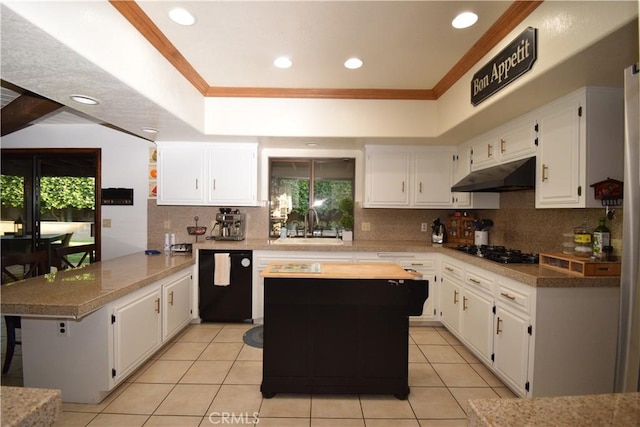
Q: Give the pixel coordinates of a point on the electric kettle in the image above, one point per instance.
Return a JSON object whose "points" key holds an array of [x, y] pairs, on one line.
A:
{"points": [[439, 232]]}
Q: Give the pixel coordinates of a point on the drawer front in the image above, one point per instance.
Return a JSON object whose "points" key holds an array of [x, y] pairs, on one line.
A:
{"points": [[418, 264], [478, 282], [513, 297], [452, 270]]}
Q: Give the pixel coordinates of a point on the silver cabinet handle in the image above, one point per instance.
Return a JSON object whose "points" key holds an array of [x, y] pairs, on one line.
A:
{"points": [[171, 298], [477, 282], [545, 171], [158, 305], [455, 297], [498, 326], [464, 303], [502, 143]]}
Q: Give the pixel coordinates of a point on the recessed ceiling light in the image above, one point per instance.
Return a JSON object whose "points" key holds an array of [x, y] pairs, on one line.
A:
{"points": [[149, 130], [353, 63], [83, 99], [464, 20], [181, 16], [283, 62], [312, 144]]}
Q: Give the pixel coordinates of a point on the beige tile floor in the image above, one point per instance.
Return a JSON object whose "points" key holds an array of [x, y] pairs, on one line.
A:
{"points": [[207, 376]]}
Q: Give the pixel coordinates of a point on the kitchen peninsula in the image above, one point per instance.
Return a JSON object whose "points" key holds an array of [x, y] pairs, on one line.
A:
{"points": [[85, 330], [326, 322]]}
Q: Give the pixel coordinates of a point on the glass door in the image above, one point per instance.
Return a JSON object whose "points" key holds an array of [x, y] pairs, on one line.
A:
{"points": [[53, 194]]}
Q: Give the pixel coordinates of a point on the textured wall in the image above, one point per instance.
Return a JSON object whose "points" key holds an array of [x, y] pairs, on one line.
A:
{"points": [[517, 224]]}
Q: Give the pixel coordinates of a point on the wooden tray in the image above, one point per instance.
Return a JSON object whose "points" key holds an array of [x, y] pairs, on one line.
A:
{"points": [[580, 266]]}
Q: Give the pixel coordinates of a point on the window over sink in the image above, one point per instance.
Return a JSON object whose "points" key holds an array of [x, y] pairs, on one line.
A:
{"points": [[298, 185]]}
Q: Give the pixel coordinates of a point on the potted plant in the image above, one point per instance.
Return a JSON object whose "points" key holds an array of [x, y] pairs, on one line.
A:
{"points": [[346, 220]]}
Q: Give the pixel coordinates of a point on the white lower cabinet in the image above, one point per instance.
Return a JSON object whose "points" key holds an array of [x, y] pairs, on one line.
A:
{"points": [[144, 320], [137, 331], [87, 358], [511, 348], [176, 306], [477, 317], [540, 341], [450, 295]]}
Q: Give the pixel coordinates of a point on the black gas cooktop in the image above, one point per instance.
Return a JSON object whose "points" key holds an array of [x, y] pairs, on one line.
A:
{"points": [[500, 254]]}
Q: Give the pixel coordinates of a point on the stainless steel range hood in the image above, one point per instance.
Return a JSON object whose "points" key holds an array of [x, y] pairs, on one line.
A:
{"points": [[518, 175]]}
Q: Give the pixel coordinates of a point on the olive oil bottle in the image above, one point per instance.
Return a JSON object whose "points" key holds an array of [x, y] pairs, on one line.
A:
{"points": [[601, 238]]}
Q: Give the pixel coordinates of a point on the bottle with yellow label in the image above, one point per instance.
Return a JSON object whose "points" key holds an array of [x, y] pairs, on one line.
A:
{"points": [[582, 240]]}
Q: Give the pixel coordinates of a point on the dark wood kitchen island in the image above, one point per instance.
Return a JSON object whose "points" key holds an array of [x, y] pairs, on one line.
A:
{"points": [[338, 328]]}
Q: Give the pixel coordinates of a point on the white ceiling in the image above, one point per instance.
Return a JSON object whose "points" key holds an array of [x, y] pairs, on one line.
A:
{"points": [[404, 45]]}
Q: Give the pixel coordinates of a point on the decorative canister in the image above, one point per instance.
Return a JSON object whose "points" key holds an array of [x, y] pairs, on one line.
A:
{"points": [[582, 240]]}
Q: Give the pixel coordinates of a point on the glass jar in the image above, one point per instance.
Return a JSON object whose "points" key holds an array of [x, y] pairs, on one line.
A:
{"points": [[567, 243], [582, 240]]}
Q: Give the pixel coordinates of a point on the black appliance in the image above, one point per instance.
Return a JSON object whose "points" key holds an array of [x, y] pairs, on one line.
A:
{"points": [[500, 254], [231, 303], [518, 175]]}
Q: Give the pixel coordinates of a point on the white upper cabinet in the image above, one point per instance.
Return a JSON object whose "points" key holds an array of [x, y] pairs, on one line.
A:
{"points": [[208, 174], [517, 139], [483, 151], [181, 174], [433, 178], [466, 200], [580, 139], [408, 177], [233, 174], [387, 178], [512, 141]]}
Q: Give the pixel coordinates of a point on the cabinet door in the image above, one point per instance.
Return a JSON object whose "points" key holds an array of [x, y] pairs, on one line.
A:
{"points": [[558, 161], [232, 175], [477, 320], [387, 179], [176, 297], [426, 267], [450, 303], [511, 348], [181, 179], [433, 176], [485, 151], [462, 168], [137, 331], [517, 140]]}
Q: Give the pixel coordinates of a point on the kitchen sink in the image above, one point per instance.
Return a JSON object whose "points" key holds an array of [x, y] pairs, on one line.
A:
{"points": [[308, 241]]}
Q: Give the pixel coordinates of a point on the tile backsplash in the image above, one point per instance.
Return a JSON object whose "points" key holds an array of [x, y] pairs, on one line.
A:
{"points": [[517, 223]]}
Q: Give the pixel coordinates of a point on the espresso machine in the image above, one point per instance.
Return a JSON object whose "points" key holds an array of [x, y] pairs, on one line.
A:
{"points": [[230, 225]]}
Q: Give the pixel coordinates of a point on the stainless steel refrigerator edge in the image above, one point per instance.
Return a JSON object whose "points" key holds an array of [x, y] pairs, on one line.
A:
{"points": [[628, 361]]}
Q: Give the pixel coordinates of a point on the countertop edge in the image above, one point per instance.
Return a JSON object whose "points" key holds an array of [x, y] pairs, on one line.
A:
{"points": [[80, 310], [25, 406]]}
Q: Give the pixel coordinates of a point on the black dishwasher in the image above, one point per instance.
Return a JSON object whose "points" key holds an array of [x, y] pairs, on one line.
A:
{"points": [[231, 303]]}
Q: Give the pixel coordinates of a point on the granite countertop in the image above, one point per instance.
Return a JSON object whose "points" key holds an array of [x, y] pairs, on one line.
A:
{"points": [[529, 274], [24, 406], [619, 409], [78, 292], [337, 270]]}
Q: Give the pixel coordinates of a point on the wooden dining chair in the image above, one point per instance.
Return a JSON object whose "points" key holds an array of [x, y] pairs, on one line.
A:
{"points": [[17, 267], [63, 260]]}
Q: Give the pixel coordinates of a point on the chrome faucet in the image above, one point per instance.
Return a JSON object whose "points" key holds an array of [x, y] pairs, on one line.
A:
{"points": [[310, 220]]}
